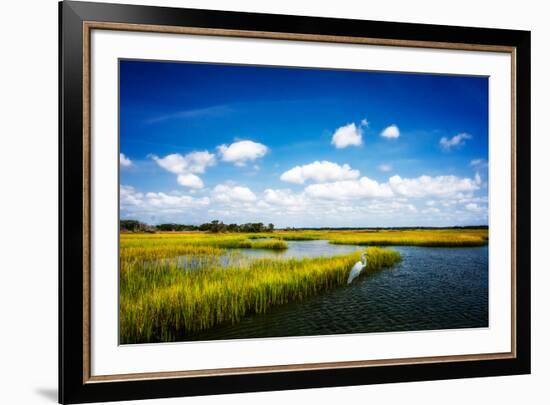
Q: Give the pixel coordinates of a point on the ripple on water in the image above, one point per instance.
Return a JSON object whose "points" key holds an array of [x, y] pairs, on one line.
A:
{"points": [[431, 288]]}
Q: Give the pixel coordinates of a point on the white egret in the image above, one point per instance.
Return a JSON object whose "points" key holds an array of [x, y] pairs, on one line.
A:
{"points": [[357, 268]]}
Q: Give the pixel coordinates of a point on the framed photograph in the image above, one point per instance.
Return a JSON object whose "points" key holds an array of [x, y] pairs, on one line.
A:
{"points": [[254, 202]]}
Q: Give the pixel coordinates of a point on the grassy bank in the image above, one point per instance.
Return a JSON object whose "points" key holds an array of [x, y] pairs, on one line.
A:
{"points": [[160, 301]]}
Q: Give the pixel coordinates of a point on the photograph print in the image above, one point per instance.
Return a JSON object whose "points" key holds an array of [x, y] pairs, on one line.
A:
{"points": [[275, 202]]}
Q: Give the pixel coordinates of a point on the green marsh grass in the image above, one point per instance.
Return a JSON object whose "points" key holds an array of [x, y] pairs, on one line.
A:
{"points": [[178, 283], [162, 302]]}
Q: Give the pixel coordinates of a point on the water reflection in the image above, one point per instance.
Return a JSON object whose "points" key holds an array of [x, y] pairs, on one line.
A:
{"points": [[242, 257]]}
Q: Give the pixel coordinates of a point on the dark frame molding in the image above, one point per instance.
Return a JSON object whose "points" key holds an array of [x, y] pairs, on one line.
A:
{"points": [[74, 386]]}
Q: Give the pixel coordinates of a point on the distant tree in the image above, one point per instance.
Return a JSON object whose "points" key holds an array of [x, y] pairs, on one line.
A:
{"points": [[215, 226], [131, 225]]}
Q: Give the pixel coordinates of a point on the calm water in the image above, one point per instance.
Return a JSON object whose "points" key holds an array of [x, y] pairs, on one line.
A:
{"points": [[300, 249], [432, 288], [296, 250]]}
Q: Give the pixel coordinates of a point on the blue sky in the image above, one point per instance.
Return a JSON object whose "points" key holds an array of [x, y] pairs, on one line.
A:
{"points": [[301, 147]]}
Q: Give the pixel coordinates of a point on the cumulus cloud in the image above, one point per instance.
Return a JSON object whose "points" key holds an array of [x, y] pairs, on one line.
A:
{"points": [[455, 141], [425, 186], [418, 187], [230, 194], [319, 172], [348, 135], [349, 190], [385, 167], [391, 132], [163, 200], [194, 162], [242, 152], [186, 166], [190, 180], [136, 203], [124, 161], [396, 205], [284, 198], [364, 122], [130, 197]]}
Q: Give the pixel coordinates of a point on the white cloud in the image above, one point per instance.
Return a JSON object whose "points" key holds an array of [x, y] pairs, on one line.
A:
{"points": [[212, 111], [194, 162], [391, 132], [472, 207], [476, 162], [190, 180], [242, 152], [425, 186], [284, 198], [164, 200], [348, 135], [477, 178], [124, 161], [174, 163], [385, 167], [419, 187], [431, 210], [186, 166], [319, 172], [134, 203], [455, 141], [229, 194], [390, 207], [364, 122], [349, 190], [479, 164], [130, 197], [199, 161]]}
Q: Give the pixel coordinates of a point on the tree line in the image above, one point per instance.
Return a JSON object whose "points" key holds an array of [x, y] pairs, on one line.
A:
{"points": [[131, 225]]}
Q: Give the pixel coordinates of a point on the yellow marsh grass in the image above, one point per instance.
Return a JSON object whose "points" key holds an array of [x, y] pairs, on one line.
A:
{"points": [[414, 237], [422, 237], [161, 302], [198, 239], [405, 237]]}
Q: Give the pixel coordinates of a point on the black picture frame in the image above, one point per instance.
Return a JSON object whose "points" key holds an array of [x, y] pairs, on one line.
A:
{"points": [[73, 387]]}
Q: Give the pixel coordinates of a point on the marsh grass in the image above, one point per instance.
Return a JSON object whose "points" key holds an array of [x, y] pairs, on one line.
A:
{"points": [[191, 240], [298, 236], [398, 237], [428, 238], [163, 302], [276, 240], [275, 244], [176, 284]]}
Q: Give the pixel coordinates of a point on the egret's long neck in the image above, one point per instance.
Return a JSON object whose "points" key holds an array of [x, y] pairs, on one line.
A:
{"points": [[364, 260]]}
